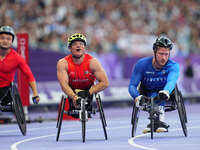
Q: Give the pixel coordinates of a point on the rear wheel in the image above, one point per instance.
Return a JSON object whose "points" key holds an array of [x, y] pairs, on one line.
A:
{"points": [[183, 106], [60, 119], [18, 110], [102, 116], [83, 121], [134, 120], [181, 114], [59, 110], [152, 117]]}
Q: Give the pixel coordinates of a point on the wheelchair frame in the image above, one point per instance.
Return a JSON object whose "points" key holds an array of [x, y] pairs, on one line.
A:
{"points": [[177, 102], [16, 107], [83, 115]]}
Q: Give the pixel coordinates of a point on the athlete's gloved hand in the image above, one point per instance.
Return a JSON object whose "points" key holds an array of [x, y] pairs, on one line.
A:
{"points": [[163, 95], [36, 99], [140, 101], [84, 93]]}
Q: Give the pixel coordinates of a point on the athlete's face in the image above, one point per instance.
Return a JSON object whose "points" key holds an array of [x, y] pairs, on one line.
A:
{"points": [[77, 49], [162, 56], [5, 41]]}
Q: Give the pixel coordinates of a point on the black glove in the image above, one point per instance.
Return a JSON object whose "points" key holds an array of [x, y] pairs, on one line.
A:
{"points": [[84, 94], [36, 99], [163, 95]]}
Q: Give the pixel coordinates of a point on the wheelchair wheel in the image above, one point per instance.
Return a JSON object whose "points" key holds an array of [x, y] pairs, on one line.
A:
{"points": [[181, 114], [18, 110], [83, 120], [102, 116], [152, 117], [60, 118], [134, 119], [183, 106], [59, 110]]}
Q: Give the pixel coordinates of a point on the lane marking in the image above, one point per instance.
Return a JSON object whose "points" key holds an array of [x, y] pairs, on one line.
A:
{"points": [[14, 146], [132, 143]]}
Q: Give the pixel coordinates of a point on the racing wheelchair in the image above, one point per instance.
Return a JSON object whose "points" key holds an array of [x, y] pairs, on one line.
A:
{"points": [[14, 105], [83, 114], [175, 102]]}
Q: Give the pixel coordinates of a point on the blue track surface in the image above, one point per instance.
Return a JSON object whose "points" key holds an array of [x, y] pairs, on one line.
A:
{"points": [[42, 136]]}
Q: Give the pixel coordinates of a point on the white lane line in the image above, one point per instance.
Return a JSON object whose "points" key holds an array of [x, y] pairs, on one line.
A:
{"points": [[14, 146], [131, 140]]}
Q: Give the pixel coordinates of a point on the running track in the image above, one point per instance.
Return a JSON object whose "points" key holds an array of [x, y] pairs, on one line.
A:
{"points": [[42, 136]]}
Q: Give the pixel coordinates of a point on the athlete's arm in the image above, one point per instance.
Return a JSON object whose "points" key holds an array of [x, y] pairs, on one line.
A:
{"points": [[136, 77], [172, 78], [63, 78], [27, 71], [100, 75]]}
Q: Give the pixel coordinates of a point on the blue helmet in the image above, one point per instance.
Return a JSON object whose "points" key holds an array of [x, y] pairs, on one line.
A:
{"points": [[163, 41], [7, 30]]}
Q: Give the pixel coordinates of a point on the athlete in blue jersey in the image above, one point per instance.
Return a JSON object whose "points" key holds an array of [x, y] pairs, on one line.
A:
{"points": [[157, 75]]}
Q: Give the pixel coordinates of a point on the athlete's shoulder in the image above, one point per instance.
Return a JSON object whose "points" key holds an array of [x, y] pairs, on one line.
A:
{"points": [[145, 61], [172, 63], [88, 56]]}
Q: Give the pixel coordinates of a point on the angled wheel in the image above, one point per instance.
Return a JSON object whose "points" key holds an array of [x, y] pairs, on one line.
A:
{"points": [[18, 109], [102, 116], [183, 106], [59, 110], [152, 117], [83, 119], [181, 113], [134, 119], [60, 118]]}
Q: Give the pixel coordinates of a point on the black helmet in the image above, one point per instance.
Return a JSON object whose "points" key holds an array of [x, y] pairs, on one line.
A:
{"points": [[162, 41], [77, 37], [7, 30]]}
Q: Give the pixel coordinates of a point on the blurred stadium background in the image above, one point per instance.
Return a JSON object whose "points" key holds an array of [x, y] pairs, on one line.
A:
{"points": [[119, 32]]}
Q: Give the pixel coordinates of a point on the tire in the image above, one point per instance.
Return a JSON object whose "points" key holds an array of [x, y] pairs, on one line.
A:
{"points": [[134, 120], [181, 114], [59, 110], [103, 120], [183, 107], [152, 117], [60, 119], [18, 110], [83, 121]]}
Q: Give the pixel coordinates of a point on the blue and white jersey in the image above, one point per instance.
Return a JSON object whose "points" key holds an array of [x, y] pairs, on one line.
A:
{"points": [[153, 79]]}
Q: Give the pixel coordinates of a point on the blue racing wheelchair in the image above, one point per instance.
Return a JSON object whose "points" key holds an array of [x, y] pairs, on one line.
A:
{"points": [[175, 102]]}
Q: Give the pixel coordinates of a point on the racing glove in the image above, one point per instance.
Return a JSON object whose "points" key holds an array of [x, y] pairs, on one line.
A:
{"points": [[163, 95], [36, 99]]}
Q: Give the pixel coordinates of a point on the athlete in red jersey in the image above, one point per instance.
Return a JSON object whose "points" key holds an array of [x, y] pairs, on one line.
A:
{"points": [[9, 62], [80, 70]]}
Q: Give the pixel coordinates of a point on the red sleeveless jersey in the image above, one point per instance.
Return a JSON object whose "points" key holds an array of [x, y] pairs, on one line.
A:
{"points": [[80, 75]]}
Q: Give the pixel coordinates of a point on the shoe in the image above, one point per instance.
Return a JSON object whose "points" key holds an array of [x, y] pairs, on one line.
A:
{"points": [[147, 129], [163, 127]]}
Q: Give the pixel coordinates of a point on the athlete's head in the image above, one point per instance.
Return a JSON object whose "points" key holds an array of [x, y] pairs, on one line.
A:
{"points": [[7, 36], [162, 48], [77, 43]]}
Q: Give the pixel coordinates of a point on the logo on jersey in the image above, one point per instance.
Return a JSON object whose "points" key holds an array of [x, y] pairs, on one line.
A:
{"points": [[148, 72], [86, 72]]}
